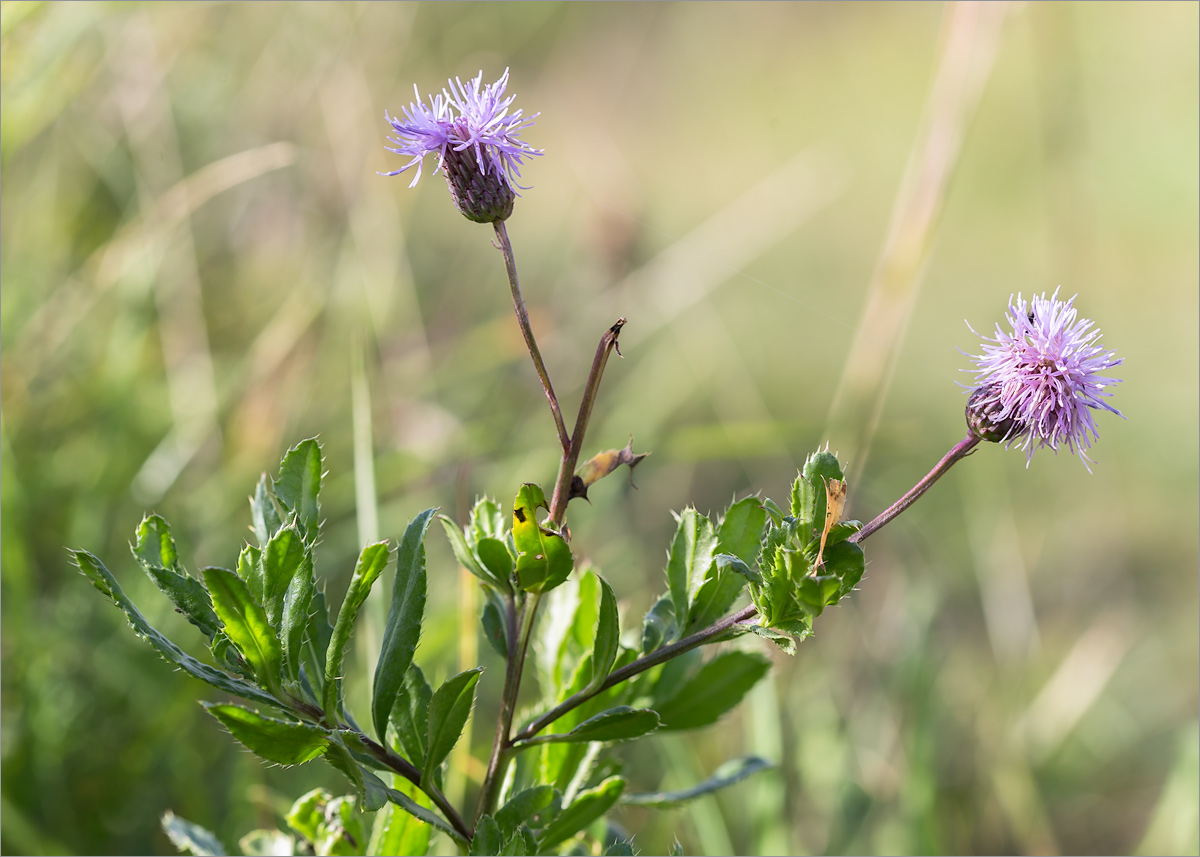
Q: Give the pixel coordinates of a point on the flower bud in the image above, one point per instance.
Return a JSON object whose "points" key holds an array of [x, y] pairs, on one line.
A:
{"points": [[483, 197], [985, 416]]}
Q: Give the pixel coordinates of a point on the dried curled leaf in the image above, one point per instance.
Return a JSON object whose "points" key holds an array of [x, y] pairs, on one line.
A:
{"points": [[602, 464], [835, 501]]}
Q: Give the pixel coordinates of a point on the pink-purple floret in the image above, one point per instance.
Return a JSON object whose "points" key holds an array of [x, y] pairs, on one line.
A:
{"points": [[1045, 374], [466, 116]]}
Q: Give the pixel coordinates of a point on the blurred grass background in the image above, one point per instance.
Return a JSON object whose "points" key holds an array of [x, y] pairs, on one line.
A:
{"points": [[197, 250]]}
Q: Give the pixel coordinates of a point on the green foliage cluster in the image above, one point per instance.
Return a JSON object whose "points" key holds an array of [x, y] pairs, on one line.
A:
{"points": [[273, 642]]}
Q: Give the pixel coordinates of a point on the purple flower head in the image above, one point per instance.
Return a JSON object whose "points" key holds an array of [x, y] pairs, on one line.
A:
{"points": [[1038, 385], [477, 142]]}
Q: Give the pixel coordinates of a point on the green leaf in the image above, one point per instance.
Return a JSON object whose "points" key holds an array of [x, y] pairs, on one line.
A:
{"points": [[617, 724], [586, 808], [467, 559], [245, 623], [267, 842], [396, 831], [522, 808], [487, 837], [371, 563], [296, 620], [740, 532], [733, 771], [403, 627], [371, 791], [264, 512], [299, 485], [191, 838], [715, 597], [522, 842], [785, 641], [280, 741], [660, 625], [448, 712], [341, 831], [249, 569], [307, 813], [492, 619], [409, 717], [716, 688], [543, 558], [103, 580], [316, 643], [808, 492], [688, 562], [282, 559], [155, 553], [494, 556], [608, 634]]}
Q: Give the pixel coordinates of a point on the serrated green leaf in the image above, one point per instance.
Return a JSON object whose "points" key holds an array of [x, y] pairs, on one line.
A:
{"points": [[735, 564], [544, 559], [409, 717], [688, 562], [659, 625], [103, 580], [487, 837], [280, 741], [716, 688], [715, 597], [283, 558], [371, 791], [249, 569], [448, 712], [396, 831], [608, 634], [296, 620], [787, 642], [586, 808], [191, 838], [733, 771], [245, 623], [155, 553], [264, 512], [299, 485], [808, 492], [617, 724], [403, 628], [370, 565], [467, 559], [740, 532], [521, 843], [522, 808]]}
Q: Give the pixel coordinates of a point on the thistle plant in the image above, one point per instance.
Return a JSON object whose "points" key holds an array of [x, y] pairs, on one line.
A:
{"points": [[551, 777]]}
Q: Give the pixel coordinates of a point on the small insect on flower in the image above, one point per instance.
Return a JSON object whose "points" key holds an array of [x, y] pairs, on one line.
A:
{"points": [[477, 141], [1038, 385]]}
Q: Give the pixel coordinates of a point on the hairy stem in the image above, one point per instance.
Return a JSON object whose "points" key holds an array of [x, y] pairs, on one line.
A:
{"points": [[959, 451], [510, 265], [642, 664]]}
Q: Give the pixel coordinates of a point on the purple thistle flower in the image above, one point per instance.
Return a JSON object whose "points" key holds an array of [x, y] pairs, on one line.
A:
{"points": [[1038, 385], [477, 142]]}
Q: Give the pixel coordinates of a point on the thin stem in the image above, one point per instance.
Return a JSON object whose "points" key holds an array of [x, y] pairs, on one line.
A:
{"points": [[959, 451], [510, 265], [407, 770], [628, 671], [566, 470], [518, 645]]}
